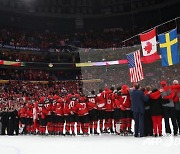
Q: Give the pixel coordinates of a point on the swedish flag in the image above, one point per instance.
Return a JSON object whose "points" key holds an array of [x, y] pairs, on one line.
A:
{"points": [[169, 48]]}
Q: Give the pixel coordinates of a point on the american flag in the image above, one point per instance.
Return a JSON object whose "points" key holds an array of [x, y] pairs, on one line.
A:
{"points": [[135, 67]]}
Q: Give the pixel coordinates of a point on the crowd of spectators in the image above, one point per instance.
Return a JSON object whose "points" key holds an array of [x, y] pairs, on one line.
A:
{"points": [[17, 89], [105, 76], [15, 92], [20, 38], [117, 76], [93, 42], [37, 75], [49, 40], [45, 40], [21, 56], [109, 76]]}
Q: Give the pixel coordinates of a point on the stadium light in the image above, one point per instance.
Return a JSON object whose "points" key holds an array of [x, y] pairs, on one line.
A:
{"points": [[50, 65]]}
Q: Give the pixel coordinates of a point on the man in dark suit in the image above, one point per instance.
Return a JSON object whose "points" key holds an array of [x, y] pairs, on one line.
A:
{"points": [[137, 106]]}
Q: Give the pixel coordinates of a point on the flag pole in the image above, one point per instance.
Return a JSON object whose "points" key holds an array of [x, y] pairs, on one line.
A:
{"points": [[151, 29], [176, 24]]}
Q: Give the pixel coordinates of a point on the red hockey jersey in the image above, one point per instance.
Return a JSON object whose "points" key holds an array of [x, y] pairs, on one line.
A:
{"points": [[101, 101], [22, 112], [110, 101], [82, 109], [125, 101], [69, 106], [59, 109], [92, 102]]}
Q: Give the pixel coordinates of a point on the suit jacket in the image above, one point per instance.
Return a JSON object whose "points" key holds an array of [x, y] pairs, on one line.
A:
{"points": [[137, 101]]}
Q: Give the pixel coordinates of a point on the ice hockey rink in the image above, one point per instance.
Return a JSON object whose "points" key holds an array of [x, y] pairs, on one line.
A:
{"points": [[110, 144], [88, 145]]}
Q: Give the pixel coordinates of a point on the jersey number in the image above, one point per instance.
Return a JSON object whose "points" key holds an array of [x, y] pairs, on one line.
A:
{"points": [[124, 99], [71, 104], [108, 101], [92, 100]]}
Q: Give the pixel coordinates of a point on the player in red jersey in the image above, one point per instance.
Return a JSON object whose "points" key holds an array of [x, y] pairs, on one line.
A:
{"points": [[49, 118], [109, 108], [59, 117], [93, 113], [29, 125], [83, 115], [101, 102], [42, 113], [117, 110], [69, 113], [53, 116], [126, 118]]}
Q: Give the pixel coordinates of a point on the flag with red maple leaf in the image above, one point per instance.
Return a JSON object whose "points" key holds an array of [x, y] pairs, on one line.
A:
{"points": [[149, 47]]}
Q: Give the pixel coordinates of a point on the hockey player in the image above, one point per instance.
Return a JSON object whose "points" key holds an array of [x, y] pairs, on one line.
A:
{"points": [[109, 108], [126, 118], [53, 119], [117, 111], [83, 115], [93, 113], [69, 113], [101, 102], [49, 118], [53, 114], [29, 125], [42, 113], [59, 117]]}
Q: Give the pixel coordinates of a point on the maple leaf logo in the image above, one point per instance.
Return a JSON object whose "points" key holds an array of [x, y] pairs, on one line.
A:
{"points": [[148, 47]]}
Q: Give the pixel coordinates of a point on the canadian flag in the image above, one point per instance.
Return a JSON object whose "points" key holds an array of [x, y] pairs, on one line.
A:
{"points": [[149, 47]]}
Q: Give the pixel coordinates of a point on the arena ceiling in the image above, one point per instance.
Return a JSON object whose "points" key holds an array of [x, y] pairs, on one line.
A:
{"points": [[85, 8], [71, 15]]}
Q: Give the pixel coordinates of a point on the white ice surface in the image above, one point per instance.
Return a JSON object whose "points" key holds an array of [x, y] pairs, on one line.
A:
{"points": [[103, 144]]}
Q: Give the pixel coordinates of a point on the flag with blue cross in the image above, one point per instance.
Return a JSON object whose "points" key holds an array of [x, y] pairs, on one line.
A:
{"points": [[168, 43]]}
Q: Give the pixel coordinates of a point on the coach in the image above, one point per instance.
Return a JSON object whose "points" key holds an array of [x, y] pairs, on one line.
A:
{"points": [[137, 106]]}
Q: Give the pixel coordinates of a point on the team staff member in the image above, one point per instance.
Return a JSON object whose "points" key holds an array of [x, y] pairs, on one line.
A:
{"points": [[176, 100], [4, 120], [168, 106], [137, 106]]}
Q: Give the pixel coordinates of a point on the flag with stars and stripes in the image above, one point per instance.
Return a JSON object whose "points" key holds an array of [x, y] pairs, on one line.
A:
{"points": [[135, 66]]}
